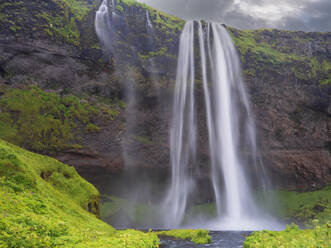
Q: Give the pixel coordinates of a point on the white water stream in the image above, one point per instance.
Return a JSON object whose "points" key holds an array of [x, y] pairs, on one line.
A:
{"points": [[229, 121]]}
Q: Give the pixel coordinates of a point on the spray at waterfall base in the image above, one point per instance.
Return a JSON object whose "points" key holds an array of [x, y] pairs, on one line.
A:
{"points": [[228, 122], [230, 126]]}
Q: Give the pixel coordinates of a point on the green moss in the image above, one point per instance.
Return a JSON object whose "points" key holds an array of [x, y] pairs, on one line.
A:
{"points": [[151, 54], [44, 203], [261, 57], [62, 20], [197, 236], [207, 210], [246, 42], [325, 73], [303, 207], [143, 139], [139, 214], [91, 128], [64, 24], [326, 82], [160, 20], [292, 237], [43, 122], [14, 28], [120, 8]]}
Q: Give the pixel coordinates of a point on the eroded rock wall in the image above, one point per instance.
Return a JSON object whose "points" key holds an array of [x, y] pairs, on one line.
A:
{"points": [[287, 76]]}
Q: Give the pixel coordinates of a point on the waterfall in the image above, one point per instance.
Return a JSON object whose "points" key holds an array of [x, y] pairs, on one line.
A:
{"points": [[228, 120], [183, 130], [149, 24], [211, 67]]}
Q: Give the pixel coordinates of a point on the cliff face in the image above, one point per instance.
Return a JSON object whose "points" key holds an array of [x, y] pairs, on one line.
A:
{"points": [[288, 75]]}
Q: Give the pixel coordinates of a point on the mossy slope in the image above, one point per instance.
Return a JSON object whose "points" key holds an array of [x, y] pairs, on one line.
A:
{"points": [[46, 122], [305, 206], [301, 208], [63, 21], [197, 236], [45, 203], [310, 208], [292, 237], [268, 51]]}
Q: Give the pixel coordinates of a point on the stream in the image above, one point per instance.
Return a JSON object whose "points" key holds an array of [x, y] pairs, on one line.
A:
{"points": [[220, 239]]}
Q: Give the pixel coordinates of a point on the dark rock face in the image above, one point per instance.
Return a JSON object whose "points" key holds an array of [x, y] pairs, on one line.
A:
{"points": [[292, 110], [285, 74]]}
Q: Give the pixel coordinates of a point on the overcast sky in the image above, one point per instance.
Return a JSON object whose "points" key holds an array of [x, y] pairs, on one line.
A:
{"points": [[308, 15]]}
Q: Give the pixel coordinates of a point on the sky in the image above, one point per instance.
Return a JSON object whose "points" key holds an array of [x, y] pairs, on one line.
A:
{"points": [[306, 15]]}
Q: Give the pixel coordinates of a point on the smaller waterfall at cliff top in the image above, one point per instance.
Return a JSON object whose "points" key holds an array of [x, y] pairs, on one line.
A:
{"points": [[229, 123]]}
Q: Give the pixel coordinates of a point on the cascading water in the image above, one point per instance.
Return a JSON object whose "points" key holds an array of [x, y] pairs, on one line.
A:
{"points": [[103, 23], [229, 123], [183, 130], [149, 24]]}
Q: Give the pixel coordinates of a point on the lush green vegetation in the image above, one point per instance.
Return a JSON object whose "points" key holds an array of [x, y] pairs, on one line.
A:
{"points": [[246, 41], [64, 24], [292, 237], [44, 203], [46, 122], [41, 121], [162, 21], [310, 208], [61, 20], [197, 236], [138, 214], [207, 210], [304, 207], [261, 56]]}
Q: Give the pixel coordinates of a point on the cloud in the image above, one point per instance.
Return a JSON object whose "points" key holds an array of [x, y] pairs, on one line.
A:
{"points": [[308, 15]]}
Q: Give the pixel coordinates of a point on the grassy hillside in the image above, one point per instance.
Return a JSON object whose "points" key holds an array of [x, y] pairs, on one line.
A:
{"points": [[46, 122], [45, 203], [305, 207], [292, 237], [264, 52], [310, 208]]}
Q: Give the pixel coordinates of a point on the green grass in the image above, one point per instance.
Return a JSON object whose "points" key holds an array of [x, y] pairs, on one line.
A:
{"points": [[62, 20], [142, 214], [138, 214], [304, 207], [46, 122], [161, 20], [292, 237], [64, 24], [246, 42], [43, 122], [197, 236], [44, 203], [262, 57], [208, 210]]}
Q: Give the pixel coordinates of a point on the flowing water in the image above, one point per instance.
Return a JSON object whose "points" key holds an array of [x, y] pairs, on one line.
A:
{"points": [[214, 62], [227, 109], [149, 24], [219, 240]]}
